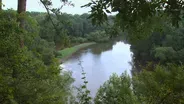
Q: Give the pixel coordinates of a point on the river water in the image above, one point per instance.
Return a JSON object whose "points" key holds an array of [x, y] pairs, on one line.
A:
{"points": [[99, 62]]}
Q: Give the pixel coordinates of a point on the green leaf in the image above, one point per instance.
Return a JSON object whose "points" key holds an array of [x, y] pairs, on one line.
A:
{"points": [[84, 86], [85, 81], [83, 73], [87, 91]]}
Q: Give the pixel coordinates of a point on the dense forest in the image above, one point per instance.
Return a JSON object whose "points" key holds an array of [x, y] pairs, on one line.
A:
{"points": [[76, 28], [29, 44]]}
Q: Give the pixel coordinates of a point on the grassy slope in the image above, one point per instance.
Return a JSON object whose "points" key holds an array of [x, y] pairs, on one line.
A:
{"points": [[67, 52]]}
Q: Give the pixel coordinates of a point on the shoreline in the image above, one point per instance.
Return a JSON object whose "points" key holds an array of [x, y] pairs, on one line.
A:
{"points": [[68, 52]]}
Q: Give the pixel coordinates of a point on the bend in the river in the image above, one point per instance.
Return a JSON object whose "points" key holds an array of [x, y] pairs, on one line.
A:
{"points": [[99, 62]]}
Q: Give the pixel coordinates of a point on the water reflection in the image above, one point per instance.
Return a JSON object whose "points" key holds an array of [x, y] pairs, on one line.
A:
{"points": [[99, 62], [99, 48]]}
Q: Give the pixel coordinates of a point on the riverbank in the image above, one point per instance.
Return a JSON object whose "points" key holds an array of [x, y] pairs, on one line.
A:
{"points": [[101, 60], [67, 52]]}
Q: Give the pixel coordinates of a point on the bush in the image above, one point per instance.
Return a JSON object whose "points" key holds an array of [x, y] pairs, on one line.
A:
{"points": [[31, 74], [98, 36], [117, 90], [164, 85], [78, 40]]}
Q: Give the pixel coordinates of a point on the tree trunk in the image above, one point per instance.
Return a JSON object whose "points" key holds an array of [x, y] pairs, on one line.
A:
{"points": [[21, 9], [1, 4], [21, 6]]}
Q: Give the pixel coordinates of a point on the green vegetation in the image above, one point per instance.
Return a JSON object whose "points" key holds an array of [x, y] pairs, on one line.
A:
{"points": [[164, 85], [67, 52], [116, 90], [155, 32], [73, 29], [29, 69], [98, 36], [83, 92], [29, 73]]}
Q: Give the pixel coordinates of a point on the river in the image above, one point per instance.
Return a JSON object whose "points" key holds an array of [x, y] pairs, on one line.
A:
{"points": [[99, 62]]}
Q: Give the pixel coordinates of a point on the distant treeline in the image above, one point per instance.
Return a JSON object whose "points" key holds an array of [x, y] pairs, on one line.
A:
{"points": [[74, 28]]}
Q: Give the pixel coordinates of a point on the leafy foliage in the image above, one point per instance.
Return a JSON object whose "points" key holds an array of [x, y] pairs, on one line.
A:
{"points": [[83, 92], [25, 76], [75, 29], [32, 75], [164, 44], [98, 36], [116, 90], [162, 86], [132, 11]]}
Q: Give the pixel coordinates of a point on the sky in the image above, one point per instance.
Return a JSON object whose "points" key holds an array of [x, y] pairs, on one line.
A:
{"points": [[35, 5]]}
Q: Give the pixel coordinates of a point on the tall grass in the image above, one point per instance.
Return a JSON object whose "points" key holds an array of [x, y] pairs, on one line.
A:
{"points": [[67, 52]]}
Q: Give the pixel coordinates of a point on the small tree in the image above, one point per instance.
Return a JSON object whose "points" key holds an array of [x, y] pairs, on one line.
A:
{"points": [[165, 85], [117, 90]]}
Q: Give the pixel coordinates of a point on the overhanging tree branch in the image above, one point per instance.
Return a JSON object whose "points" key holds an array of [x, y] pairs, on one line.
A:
{"points": [[49, 15]]}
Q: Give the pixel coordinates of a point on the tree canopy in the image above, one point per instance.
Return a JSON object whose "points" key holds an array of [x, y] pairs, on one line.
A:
{"points": [[131, 11], [29, 68]]}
